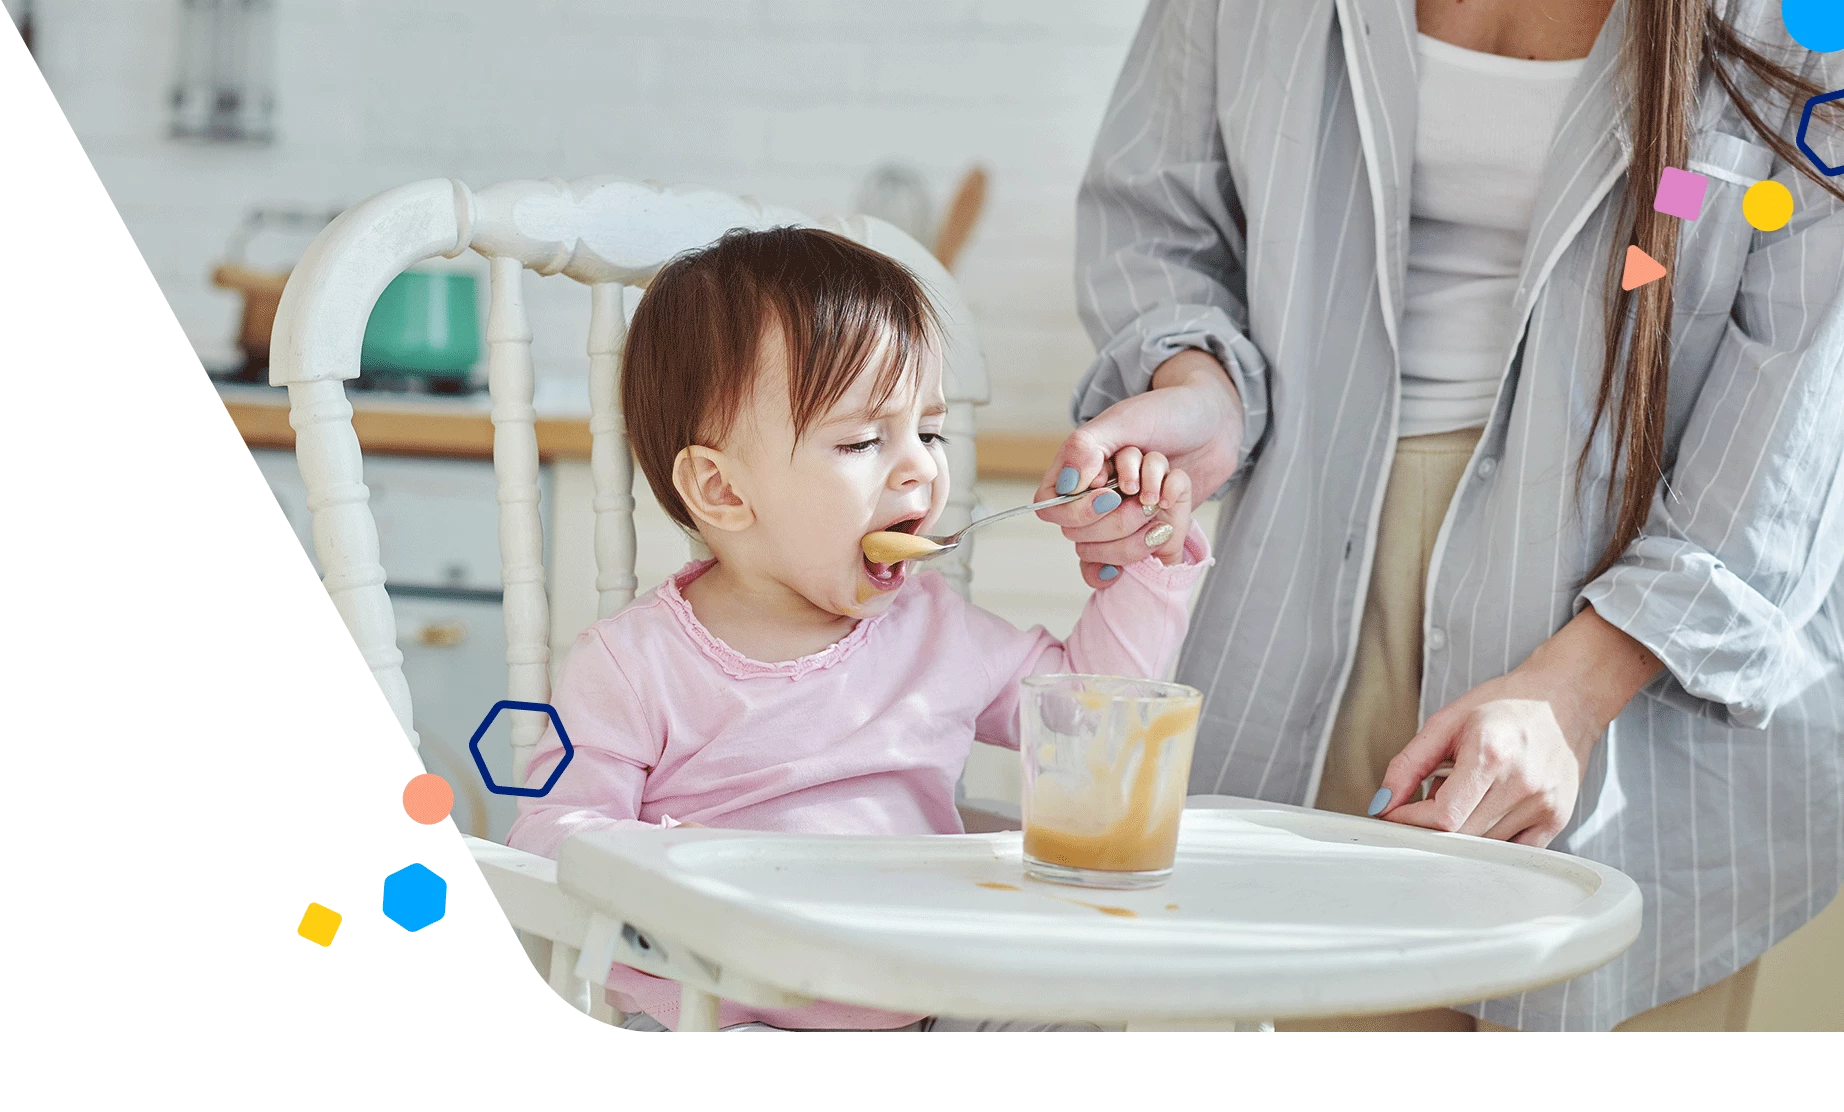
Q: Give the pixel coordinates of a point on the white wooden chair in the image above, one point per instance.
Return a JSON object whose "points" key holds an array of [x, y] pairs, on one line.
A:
{"points": [[606, 234]]}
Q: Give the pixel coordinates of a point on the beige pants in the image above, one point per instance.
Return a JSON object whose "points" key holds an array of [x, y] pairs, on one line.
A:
{"points": [[1381, 712]]}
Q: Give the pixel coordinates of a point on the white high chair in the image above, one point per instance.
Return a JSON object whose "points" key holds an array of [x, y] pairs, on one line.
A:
{"points": [[606, 234]]}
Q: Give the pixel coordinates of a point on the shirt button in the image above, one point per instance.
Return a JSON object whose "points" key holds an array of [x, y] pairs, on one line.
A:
{"points": [[1436, 640], [1487, 466]]}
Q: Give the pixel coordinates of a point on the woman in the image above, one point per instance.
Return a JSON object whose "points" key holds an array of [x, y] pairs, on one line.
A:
{"points": [[1359, 261]]}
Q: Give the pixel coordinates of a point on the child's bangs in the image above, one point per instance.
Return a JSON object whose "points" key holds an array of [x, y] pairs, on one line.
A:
{"points": [[890, 350], [878, 321]]}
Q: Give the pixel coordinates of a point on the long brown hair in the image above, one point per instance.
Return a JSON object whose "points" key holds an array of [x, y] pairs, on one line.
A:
{"points": [[1667, 44]]}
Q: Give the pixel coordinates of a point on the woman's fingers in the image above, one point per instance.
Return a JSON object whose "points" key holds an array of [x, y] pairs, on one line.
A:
{"points": [[1100, 576], [1458, 796], [1423, 754], [1538, 836], [1525, 817], [1080, 463], [1500, 801]]}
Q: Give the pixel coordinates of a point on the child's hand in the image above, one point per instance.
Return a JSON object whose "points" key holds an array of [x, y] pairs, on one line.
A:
{"points": [[1151, 514], [1160, 498]]}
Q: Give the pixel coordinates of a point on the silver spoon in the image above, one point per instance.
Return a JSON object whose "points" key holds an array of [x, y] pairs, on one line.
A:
{"points": [[949, 543]]}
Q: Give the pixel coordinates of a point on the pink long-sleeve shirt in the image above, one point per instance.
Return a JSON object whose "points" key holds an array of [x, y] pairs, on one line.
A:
{"points": [[868, 736]]}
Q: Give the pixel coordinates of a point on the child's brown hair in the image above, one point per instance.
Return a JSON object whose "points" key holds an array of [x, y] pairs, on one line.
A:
{"points": [[691, 354]]}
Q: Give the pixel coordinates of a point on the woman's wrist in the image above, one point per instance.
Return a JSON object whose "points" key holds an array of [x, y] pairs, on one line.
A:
{"points": [[1213, 399], [1196, 367], [1599, 665]]}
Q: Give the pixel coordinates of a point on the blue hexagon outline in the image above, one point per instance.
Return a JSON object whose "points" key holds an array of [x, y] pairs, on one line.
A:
{"points": [[415, 872], [473, 747], [1805, 121]]}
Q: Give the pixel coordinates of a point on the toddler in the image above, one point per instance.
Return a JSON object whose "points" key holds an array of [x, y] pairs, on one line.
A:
{"points": [[783, 397]]}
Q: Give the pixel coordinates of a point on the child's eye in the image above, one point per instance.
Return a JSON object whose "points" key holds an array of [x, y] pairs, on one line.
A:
{"points": [[861, 446], [933, 438]]}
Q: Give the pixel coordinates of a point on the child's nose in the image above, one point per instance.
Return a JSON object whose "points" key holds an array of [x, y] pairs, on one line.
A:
{"points": [[917, 466]]}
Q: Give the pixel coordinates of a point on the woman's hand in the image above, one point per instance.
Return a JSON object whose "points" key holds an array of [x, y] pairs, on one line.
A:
{"points": [[1191, 419], [1519, 744]]}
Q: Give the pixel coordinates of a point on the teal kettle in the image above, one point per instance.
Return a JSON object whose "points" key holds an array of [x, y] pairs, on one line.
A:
{"points": [[425, 323]]}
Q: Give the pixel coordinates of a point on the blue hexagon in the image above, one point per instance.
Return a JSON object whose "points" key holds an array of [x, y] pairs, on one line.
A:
{"points": [[473, 746], [1805, 121], [414, 897]]}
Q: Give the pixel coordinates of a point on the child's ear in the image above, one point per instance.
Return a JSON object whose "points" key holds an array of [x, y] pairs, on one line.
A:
{"points": [[702, 476]]}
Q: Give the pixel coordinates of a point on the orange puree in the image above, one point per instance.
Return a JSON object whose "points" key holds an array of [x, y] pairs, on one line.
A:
{"points": [[894, 548], [1118, 912], [996, 885], [1144, 836]]}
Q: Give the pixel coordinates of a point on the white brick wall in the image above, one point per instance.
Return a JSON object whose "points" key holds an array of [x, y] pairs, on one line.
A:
{"points": [[789, 100]]}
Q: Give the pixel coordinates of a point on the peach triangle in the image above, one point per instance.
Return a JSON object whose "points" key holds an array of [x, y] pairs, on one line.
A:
{"points": [[1641, 269]]}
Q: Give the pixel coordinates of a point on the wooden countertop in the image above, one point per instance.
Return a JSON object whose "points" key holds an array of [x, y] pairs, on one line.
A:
{"points": [[461, 429]]}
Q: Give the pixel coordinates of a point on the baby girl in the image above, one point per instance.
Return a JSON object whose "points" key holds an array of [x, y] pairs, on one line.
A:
{"points": [[783, 397]]}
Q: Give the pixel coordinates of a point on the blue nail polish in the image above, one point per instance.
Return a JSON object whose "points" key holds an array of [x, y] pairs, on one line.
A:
{"points": [[1380, 801], [1108, 572], [1106, 501], [1066, 481]]}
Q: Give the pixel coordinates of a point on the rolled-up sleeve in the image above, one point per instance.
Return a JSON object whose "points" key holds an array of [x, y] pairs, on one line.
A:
{"points": [[1745, 538], [1159, 246]]}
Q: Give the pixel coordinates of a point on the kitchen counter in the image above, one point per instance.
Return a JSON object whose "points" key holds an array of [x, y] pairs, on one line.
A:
{"points": [[404, 424], [461, 428]]}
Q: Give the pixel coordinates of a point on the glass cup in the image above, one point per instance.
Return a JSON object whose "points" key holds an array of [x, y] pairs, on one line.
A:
{"points": [[1107, 761]]}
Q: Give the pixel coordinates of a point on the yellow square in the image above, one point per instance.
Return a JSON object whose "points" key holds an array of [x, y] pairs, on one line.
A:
{"points": [[319, 924]]}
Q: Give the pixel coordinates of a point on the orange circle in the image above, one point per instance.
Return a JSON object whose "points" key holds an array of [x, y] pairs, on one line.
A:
{"points": [[428, 798]]}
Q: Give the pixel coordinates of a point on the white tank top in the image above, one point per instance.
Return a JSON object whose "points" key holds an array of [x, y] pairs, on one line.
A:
{"points": [[1480, 143]]}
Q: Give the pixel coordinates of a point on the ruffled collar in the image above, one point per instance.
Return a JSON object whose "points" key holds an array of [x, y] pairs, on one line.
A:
{"points": [[735, 664]]}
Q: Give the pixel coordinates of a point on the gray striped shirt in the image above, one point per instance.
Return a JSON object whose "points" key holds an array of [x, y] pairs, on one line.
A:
{"points": [[1248, 195]]}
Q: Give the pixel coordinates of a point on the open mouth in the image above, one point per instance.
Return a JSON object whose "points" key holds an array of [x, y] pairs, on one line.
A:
{"points": [[888, 577]]}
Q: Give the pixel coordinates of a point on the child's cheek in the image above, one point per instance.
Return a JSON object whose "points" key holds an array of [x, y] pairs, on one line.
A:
{"points": [[938, 496]]}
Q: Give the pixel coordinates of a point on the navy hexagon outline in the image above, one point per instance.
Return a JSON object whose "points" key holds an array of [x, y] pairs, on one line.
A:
{"points": [[473, 747], [1805, 121]]}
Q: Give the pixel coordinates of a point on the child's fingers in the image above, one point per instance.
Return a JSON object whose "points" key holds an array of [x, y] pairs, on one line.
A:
{"points": [[1175, 511], [1127, 466], [1177, 489], [1152, 473]]}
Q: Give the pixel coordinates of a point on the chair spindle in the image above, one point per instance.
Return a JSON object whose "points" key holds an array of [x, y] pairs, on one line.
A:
{"points": [[345, 534], [610, 462], [521, 531]]}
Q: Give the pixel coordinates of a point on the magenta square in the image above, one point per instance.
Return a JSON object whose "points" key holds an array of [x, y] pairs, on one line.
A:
{"points": [[1680, 193]]}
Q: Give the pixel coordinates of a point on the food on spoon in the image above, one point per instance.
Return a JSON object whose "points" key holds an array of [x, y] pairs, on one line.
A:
{"points": [[893, 548]]}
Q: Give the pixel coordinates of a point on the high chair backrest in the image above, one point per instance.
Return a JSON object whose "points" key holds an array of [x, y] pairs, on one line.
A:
{"points": [[607, 234]]}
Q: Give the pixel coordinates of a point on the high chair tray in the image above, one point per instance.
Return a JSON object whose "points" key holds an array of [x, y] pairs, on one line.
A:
{"points": [[1271, 912]]}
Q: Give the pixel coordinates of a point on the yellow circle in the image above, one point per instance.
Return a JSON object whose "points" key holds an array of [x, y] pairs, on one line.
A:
{"points": [[1767, 205]]}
